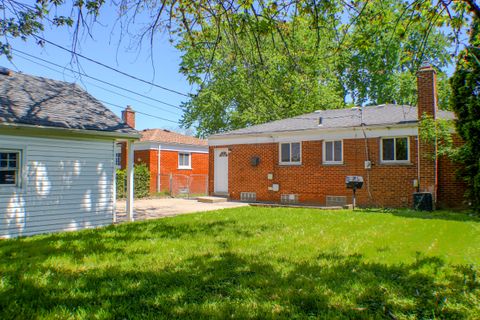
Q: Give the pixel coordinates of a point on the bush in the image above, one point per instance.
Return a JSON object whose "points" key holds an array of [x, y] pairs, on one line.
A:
{"points": [[141, 177]]}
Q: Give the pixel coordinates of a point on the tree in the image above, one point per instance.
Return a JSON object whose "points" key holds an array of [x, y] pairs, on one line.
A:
{"points": [[248, 78], [187, 16], [465, 102]]}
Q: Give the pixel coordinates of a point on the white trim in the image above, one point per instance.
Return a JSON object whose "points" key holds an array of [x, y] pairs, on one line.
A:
{"points": [[159, 168], [395, 150], [324, 153], [189, 167], [18, 169], [289, 163], [316, 135], [68, 131], [149, 145], [22, 167], [114, 183], [130, 180]]}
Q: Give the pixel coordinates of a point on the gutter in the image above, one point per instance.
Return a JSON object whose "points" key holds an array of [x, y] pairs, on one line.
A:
{"points": [[312, 130], [71, 132]]}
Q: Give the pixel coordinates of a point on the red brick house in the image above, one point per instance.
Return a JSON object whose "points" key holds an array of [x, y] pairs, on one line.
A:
{"points": [[307, 158], [175, 161]]}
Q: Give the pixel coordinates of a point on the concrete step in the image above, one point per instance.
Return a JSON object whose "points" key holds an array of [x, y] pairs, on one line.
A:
{"points": [[209, 199]]}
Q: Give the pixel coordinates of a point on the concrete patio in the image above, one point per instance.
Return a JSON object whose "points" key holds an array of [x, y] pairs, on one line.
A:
{"points": [[146, 209]]}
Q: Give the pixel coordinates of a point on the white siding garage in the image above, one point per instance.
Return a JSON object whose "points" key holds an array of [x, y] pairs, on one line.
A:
{"points": [[57, 169], [62, 184]]}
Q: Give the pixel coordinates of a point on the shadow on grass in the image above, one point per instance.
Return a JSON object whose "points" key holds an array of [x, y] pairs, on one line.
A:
{"points": [[233, 285], [436, 215]]}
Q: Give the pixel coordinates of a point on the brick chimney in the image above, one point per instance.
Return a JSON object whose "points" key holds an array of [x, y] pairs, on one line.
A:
{"points": [[427, 104], [128, 116]]}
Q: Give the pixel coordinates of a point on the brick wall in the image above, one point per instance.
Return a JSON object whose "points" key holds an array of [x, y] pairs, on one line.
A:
{"points": [[450, 189], [150, 158], [169, 165], [389, 185]]}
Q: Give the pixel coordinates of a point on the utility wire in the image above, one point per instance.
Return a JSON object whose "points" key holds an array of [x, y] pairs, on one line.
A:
{"points": [[144, 113], [106, 102], [111, 68], [99, 80], [102, 88]]}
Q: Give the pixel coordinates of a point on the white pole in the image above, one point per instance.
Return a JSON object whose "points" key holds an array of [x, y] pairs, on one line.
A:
{"points": [[114, 189], [130, 180]]}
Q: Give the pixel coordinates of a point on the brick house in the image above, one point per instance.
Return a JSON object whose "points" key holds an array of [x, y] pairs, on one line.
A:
{"points": [[175, 161], [307, 158]]}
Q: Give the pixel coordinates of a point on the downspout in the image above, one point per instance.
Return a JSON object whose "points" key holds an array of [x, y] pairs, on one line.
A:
{"points": [[418, 161], [158, 168]]}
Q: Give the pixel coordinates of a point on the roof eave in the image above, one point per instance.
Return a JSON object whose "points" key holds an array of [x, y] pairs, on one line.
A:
{"points": [[226, 136], [175, 143], [70, 132]]}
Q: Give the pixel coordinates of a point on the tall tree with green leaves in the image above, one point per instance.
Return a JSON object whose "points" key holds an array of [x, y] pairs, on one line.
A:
{"points": [[247, 77], [465, 102]]}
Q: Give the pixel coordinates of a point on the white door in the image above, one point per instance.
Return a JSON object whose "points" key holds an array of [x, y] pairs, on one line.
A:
{"points": [[220, 171]]}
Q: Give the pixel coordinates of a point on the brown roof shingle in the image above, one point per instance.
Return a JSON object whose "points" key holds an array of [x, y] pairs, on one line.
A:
{"points": [[166, 136]]}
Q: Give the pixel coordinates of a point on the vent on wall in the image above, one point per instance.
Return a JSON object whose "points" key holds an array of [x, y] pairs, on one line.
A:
{"points": [[335, 201], [248, 196], [289, 198]]}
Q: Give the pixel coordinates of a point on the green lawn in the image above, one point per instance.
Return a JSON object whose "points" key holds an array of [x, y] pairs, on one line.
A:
{"points": [[251, 263]]}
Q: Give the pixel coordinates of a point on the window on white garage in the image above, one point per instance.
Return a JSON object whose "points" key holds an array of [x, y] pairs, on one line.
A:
{"points": [[118, 160], [10, 167], [333, 152], [184, 160], [395, 149], [290, 153]]}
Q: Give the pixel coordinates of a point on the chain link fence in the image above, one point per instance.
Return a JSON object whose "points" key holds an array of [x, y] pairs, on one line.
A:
{"points": [[180, 185]]}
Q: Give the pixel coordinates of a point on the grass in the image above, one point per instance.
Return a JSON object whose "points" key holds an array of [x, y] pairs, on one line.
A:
{"points": [[250, 263]]}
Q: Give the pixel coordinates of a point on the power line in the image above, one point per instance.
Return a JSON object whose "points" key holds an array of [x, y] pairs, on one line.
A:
{"points": [[102, 88], [111, 68], [99, 80], [109, 103], [144, 113]]}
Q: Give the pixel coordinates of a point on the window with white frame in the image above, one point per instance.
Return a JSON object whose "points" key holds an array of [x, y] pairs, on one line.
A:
{"points": [[290, 153], [395, 149], [184, 161], [10, 167], [118, 160], [333, 152]]}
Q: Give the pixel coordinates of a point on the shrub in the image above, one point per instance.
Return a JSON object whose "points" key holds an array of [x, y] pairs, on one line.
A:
{"points": [[141, 177]]}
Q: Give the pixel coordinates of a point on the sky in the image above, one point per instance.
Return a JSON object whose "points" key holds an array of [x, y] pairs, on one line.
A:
{"points": [[103, 47]]}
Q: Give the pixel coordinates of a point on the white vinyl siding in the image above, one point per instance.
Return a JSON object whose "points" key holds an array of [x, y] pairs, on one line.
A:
{"points": [[66, 185], [395, 150], [290, 153], [333, 152]]}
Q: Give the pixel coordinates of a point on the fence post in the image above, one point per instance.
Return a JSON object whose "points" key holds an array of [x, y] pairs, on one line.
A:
{"points": [[171, 181], [206, 185]]}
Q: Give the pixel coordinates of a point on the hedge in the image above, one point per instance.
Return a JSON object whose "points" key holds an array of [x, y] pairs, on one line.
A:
{"points": [[141, 177]]}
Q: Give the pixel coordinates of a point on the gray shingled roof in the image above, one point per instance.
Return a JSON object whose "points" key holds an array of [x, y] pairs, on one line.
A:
{"points": [[388, 114], [30, 100]]}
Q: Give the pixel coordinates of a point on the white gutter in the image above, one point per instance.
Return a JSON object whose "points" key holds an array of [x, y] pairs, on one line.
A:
{"points": [[312, 130], [63, 131]]}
